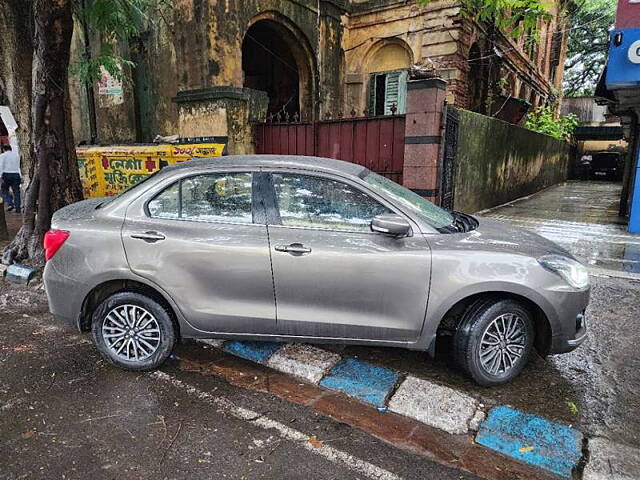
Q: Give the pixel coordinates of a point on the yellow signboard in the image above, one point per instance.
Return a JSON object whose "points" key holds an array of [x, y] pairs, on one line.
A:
{"points": [[106, 171]]}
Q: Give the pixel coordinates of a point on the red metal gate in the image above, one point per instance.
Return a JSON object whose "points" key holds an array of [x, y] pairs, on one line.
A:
{"points": [[374, 142]]}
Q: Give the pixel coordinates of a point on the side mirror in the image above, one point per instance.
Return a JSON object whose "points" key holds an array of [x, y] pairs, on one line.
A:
{"points": [[390, 224]]}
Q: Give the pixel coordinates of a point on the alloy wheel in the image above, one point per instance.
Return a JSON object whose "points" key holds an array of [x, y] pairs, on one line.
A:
{"points": [[503, 343], [131, 333]]}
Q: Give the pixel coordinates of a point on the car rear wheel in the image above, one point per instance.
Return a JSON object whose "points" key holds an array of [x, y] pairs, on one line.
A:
{"points": [[494, 340], [133, 331]]}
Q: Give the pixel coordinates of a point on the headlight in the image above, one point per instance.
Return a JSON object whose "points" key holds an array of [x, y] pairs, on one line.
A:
{"points": [[573, 272]]}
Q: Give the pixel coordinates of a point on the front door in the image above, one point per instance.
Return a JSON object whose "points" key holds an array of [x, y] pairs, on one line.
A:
{"points": [[333, 276], [204, 241]]}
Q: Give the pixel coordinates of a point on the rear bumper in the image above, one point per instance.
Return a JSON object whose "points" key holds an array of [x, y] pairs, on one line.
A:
{"points": [[62, 295]]}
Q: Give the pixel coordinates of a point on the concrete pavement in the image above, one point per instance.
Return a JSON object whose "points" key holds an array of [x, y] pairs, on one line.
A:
{"points": [[583, 217]]}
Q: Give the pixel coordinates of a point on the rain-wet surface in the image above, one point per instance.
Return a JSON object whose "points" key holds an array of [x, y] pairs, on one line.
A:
{"points": [[582, 217], [595, 388]]}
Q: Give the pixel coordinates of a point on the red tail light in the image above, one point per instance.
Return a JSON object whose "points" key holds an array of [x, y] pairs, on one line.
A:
{"points": [[53, 240]]}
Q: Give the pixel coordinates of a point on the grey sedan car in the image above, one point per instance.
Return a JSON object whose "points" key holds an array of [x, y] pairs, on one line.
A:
{"points": [[304, 249]]}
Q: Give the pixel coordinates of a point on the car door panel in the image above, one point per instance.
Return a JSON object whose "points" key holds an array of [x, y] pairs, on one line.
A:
{"points": [[343, 281], [219, 273], [351, 285]]}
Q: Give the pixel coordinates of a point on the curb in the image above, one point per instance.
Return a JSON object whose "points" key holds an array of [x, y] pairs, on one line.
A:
{"points": [[527, 438]]}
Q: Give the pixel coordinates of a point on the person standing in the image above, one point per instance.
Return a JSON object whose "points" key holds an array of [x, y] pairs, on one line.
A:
{"points": [[10, 174]]}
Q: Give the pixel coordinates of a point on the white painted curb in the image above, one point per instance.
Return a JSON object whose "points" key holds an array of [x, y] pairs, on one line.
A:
{"points": [[611, 461], [303, 361], [437, 406]]}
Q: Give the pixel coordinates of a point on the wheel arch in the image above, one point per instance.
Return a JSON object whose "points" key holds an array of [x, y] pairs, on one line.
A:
{"points": [[108, 287], [451, 319]]}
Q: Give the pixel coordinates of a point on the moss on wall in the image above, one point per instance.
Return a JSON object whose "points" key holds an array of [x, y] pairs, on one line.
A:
{"points": [[498, 162]]}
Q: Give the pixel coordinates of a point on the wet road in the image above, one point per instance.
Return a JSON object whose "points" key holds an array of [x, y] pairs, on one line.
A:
{"points": [[66, 414], [583, 217]]}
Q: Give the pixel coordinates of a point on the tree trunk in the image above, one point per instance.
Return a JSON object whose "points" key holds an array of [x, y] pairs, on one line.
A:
{"points": [[54, 179], [16, 54], [15, 76]]}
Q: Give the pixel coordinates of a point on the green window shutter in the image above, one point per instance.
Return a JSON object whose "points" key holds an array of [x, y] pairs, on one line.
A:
{"points": [[402, 92], [372, 94], [392, 86]]}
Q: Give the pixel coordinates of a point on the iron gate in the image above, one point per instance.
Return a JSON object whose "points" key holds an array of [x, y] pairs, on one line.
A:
{"points": [[448, 171], [373, 142]]}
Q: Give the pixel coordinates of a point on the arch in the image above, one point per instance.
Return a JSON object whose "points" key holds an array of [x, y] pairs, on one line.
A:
{"points": [[278, 59], [387, 55], [386, 64]]}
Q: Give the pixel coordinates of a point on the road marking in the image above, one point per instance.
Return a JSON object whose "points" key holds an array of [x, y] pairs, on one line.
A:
{"points": [[332, 454]]}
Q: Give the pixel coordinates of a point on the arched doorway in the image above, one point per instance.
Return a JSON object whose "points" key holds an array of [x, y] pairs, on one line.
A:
{"points": [[275, 60]]}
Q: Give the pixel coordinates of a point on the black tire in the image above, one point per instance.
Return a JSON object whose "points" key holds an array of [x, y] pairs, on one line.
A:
{"points": [[478, 319], [162, 316]]}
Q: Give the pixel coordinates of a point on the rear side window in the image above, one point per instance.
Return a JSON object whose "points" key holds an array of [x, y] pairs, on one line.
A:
{"points": [[224, 197]]}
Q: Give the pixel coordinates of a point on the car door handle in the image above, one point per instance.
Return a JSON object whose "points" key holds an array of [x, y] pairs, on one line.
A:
{"points": [[150, 237], [295, 248]]}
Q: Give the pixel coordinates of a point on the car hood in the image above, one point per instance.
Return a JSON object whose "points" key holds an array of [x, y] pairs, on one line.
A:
{"points": [[493, 235]]}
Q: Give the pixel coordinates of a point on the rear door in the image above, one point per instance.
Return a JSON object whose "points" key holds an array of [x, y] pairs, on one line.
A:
{"points": [[333, 276], [203, 239]]}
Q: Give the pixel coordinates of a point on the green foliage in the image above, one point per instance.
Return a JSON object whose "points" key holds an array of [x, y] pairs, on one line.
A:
{"points": [[113, 20], [543, 120], [588, 44], [513, 17]]}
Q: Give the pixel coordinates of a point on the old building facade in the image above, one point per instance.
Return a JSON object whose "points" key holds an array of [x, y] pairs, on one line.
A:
{"points": [[212, 67]]}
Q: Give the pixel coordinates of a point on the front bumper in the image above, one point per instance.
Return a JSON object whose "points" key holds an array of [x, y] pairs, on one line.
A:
{"points": [[570, 330]]}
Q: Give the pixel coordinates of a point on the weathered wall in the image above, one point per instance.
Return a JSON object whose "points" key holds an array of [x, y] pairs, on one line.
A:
{"points": [[199, 45], [498, 162]]}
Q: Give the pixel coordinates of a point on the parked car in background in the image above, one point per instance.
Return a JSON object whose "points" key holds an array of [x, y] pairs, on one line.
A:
{"points": [[606, 166], [305, 249]]}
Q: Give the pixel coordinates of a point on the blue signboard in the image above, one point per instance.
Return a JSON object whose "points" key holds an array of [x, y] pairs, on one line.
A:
{"points": [[623, 65]]}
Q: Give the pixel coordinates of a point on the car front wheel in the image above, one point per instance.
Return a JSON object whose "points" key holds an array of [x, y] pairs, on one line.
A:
{"points": [[494, 340], [133, 331]]}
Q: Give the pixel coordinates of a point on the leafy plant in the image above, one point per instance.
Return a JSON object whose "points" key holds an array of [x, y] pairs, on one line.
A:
{"points": [[588, 44], [543, 120], [513, 17], [114, 20]]}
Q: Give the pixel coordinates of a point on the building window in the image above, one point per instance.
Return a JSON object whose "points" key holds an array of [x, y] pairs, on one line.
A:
{"points": [[386, 91]]}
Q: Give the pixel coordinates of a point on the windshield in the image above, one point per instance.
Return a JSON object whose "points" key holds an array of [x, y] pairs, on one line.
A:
{"points": [[434, 215]]}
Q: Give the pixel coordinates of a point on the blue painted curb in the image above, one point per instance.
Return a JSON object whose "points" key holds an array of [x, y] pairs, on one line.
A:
{"points": [[255, 351], [532, 439], [363, 381]]}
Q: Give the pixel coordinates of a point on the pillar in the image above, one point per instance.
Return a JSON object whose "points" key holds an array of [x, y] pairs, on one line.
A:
{"points": [[423, 136]]}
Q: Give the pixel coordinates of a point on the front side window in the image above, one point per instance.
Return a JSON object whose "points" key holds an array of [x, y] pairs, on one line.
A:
{"points": [[317, 202], [223, 197], [434, 215]]}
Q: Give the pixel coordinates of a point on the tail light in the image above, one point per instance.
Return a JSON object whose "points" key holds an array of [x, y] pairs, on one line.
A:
{"points": [[53, 240]]}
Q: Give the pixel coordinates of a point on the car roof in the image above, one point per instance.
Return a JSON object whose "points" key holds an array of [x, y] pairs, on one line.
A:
{"points": [[271, 161]]}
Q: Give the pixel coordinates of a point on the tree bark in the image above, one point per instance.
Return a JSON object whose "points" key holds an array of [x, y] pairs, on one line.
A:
{"points": [[16, 54], [54, 178]]}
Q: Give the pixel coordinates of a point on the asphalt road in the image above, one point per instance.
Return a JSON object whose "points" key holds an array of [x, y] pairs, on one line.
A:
{"points": [[66, 414]]}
